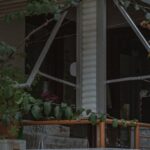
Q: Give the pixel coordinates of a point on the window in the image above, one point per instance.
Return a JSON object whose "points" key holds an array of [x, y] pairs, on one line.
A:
{"points": [[126, 60], [58, 67]]}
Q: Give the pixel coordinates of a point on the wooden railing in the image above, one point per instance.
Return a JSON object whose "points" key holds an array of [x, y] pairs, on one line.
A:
{"points": [[100, 128]]}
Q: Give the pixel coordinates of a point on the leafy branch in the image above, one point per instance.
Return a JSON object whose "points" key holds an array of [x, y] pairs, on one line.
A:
{"points": [[138, 6], [38, 7]]}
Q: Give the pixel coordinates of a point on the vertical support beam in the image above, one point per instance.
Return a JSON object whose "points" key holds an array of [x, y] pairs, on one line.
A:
{"points": [[137, 137], [101, 55], [101, 137], [98, 136], [79, 57], [101, 65], [88, 54]]}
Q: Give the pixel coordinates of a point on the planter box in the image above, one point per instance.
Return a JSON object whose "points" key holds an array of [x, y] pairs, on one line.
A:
{"points": [[49, 130], [12, 145], [43, 141]]}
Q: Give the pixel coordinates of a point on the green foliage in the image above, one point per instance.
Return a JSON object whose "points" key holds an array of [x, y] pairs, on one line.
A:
{"points": [[115, 123], [125, 3], [15, 103], [124, 123], [133, 122], [14, 130], [138, 6], [88, 111], [5, 51], [68, 113], [38, 7], [101, 117], [12, 72], [36, 112], [47, 108], [93, 118], [57, 112]]}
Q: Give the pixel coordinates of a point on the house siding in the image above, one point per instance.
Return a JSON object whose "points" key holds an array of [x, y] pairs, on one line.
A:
{"points": [[13, 34], [88, 46], [7, 7]]}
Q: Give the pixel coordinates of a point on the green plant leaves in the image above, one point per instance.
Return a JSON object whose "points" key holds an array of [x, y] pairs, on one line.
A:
{"points": [[18, 116], [124, 123], [13, 130], [63, 105], [36, 112], [6, 119], [47, 108], [88, 111], [8, 92], [38, 7], [58, 112], [19, 99], [137, 7], [6, 49], [133, 122], [93, 118], [101, 117], [115, 123], [80, 111], [68, 113], [27, 108]]}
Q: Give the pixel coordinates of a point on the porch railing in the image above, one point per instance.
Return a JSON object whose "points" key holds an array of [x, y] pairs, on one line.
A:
{"points": [[101, 142]]}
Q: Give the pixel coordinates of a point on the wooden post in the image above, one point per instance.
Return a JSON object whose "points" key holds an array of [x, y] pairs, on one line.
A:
{"points": [[137, 137], [101, 135]]}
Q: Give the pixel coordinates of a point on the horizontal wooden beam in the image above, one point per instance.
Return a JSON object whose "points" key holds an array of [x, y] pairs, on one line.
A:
{"points": [[57, 79], [126, 79], [75, 122], [56, 122]]}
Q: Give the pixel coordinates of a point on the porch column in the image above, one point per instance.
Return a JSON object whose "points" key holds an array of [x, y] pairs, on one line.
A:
{"points": [[101, 55], [88, 54]]}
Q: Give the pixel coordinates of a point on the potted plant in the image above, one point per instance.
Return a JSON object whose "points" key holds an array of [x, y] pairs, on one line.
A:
{"points": [[10, 111]]}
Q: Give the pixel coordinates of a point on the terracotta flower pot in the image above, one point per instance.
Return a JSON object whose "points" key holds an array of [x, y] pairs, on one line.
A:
{"points": [[9, 132]]}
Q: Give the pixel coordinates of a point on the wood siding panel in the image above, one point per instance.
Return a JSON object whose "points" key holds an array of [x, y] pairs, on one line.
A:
{"points": [[89, 34], [7, 7]]}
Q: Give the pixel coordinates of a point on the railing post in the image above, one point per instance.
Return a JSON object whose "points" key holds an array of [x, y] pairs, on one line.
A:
{"points": [[137, 137], [101, 139]]}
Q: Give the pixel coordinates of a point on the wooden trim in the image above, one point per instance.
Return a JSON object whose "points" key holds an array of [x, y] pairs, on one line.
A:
{"points": [[100, 126], [75, 122], [56, 122], [102, 134], [101, 53], [137, 137], [79, 58]]}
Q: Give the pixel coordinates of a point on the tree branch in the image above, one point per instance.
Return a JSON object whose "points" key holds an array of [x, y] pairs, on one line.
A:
{"points": [[35, 30]]}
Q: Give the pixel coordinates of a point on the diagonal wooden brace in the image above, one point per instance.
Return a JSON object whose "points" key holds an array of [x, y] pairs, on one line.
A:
{"points": [[133, 25], [43, 53]]}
